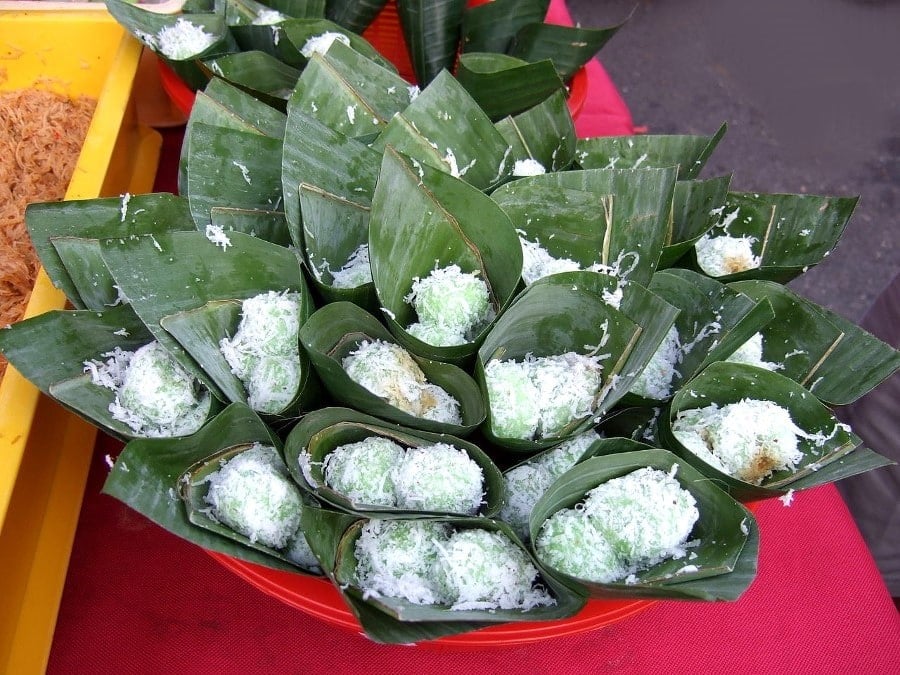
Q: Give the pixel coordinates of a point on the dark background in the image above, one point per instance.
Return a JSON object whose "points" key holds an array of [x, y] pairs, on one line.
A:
{"points": [[810, 90]]}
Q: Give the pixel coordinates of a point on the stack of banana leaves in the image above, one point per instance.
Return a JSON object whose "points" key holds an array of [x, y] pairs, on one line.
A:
{"points": [[470, 369]]}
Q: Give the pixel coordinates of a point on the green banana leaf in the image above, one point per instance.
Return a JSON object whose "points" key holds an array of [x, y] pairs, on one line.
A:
{"points": [[258, 73], [431, 29], [323, 158], [92, 403], [299, 31], [349, 92], [569, 47], [694, 208], [636, 219], [199, 331], [147, 25], [174, 272], [354, 15], [503, 85], [269, 39], [243, 12], [651, 311], [713, 321], [232, 169], [492, 26], [688, 153], [53, 346], [412, 615], [222, 104], [337, 329], [614, 445], [545, 133], [567, 223], [300, 8], [146, 477], [790, 232], [725, 551], [322, 431], [549, 319], [65, 237], [445, 128], [193, 488], [267, 225], [333, 229], [637, 423], [722, 383], [323, 529], [835, 359], [424, 219]]}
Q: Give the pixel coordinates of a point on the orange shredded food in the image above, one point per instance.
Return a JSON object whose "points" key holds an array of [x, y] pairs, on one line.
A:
{"points": [[41, 134]]}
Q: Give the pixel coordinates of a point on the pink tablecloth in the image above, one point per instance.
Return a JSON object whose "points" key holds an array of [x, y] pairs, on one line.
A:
{"points": [[139, 600]]}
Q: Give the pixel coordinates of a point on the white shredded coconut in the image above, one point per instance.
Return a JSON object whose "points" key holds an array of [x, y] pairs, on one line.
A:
{"points": [[723, 255], [528, 167], [183, 40], [319, 44], [217, 236]]}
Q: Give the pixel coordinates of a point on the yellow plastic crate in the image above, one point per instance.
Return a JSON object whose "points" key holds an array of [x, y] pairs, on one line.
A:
{"points": [[45, 451]]}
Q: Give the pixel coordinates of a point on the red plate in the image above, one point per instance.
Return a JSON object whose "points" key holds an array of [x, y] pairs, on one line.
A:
{"points": [[318, 596]]}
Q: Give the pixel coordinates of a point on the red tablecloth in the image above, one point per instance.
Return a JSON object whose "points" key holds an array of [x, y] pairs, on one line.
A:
{"points": [[139, 600]]}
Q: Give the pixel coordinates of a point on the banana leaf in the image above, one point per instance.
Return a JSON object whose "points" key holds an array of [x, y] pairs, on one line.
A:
{"points": [[322, 431], [835, 359], [637, 219], [300, 31], [243, 12], [637, 423], [694, 208], [354, 15], [92, 403], [147, 25], [614, 446], [53, 346], [267, 225], [414, 615], [349, 92], [424, 219], [503, 85], [268, 36], [569, 47], [233, 169], [337, 329], [323, 529], [174, 272], [147, 472], [492, 26], [199, 331], [300, 8], [549, 319], [722, 383], [65, 237], [222, 104], [726, 552], [445, 128], [431, 29], [258, 73], [688, 153], [193, 489], [269, 39], [333, 230], [325, 159], [568, 224], [713, 321], [545, 133], [789, 232], [651, 311]]}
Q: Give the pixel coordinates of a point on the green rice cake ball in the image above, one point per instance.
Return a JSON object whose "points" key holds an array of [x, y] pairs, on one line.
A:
{"points": [[439, 477], [253, 495], [564, 456], [574, 544], [655, 380], [568, 385], [299, 552], [157, 397], [522, 487], [479, 569], [398, 559], [646, 514], [513, 398], [454, 302], [363, 471], [273, 383]]}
